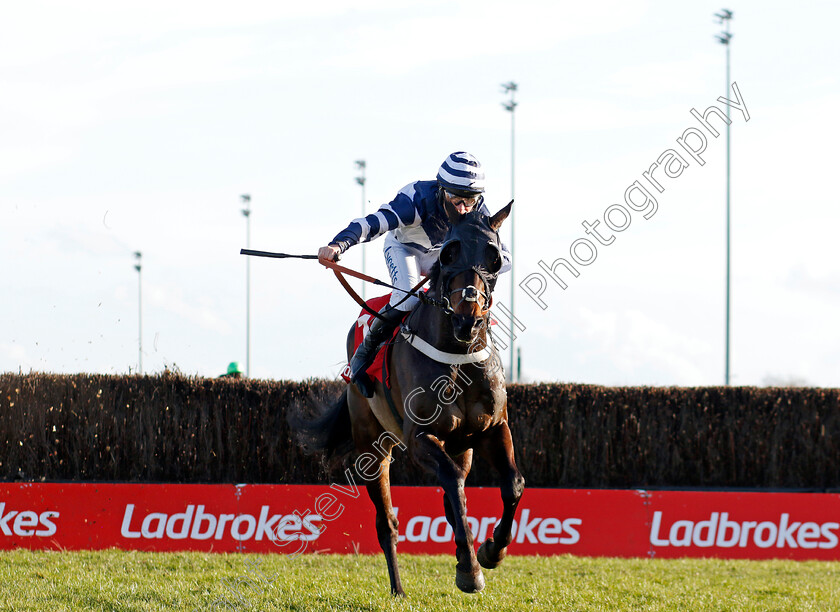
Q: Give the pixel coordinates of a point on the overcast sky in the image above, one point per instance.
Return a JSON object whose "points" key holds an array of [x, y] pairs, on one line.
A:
{"points": [[137, 129]]}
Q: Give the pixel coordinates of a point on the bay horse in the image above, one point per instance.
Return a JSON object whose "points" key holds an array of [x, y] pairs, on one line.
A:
{"points": [[443, 353]]}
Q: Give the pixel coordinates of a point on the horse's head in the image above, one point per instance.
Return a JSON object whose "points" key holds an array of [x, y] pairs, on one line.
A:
{"points": [[470, 260]]}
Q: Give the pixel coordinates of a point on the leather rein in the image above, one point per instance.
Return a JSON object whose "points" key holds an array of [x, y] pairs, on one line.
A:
{"points": [[340, 271], [469, 294]]}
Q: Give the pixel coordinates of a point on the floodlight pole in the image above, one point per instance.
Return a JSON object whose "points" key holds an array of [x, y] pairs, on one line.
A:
{"points": [[361, 165], [139, 266], [510, 106], [724, 17], [246, 200]]}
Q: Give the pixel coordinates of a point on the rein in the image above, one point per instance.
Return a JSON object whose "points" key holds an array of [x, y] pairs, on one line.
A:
{"points": [[341, 270], [414, 291], [338, 270]]}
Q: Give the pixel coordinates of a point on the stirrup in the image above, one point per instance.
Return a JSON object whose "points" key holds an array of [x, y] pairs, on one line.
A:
{"points": [[366, 353], [360, 377], [365, 384], [362, 363]]}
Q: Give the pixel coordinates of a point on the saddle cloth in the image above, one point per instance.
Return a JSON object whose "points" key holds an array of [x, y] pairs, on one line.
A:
{"points": [[363, 324], [362, 327]]}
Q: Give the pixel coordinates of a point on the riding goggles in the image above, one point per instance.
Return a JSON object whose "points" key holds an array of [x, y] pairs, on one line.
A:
{"points": [[456, 199]]}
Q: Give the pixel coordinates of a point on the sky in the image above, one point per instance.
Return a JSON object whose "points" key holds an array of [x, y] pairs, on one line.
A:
{"points": [[130, 127]]}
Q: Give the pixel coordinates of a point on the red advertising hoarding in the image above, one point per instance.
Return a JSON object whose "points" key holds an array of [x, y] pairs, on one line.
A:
{"points": [[294, 519]]}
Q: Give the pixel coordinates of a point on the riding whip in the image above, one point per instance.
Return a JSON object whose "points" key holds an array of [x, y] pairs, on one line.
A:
{"points": [[275, 255]]}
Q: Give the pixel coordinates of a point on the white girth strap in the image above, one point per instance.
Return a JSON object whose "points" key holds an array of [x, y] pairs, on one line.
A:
{"points": [[449, 358]]}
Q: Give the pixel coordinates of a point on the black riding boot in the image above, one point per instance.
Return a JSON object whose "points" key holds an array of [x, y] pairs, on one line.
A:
{"points": [[380, 330]]}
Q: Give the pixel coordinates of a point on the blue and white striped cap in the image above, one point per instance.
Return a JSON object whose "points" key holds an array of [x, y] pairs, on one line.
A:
{"points": [[461, 174]]}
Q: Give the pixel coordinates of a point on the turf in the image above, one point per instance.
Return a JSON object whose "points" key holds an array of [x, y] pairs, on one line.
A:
{"points": [[118, 580]]}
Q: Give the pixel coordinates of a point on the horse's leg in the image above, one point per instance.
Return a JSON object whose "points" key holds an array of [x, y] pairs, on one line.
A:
{"points": [[497, 447], [366, 435], [428, 451], [464, 462], [386, 523]]}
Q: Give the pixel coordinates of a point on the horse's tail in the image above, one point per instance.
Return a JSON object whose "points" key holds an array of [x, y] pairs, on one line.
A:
{"points": [[323, 427]]}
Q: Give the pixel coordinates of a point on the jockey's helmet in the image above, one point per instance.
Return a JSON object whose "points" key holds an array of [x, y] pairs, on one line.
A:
{"points": [[461, 174]]}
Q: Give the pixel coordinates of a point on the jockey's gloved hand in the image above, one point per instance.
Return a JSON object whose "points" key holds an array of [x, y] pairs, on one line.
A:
{"points": [[328, 253]]}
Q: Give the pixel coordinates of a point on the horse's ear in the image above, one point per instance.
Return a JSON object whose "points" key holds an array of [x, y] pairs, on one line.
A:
{"points": [[497, 219], [451, 212]]}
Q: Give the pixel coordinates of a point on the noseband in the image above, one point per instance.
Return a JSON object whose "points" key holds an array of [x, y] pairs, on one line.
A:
{"points": [[470, 293], [467, 252]]}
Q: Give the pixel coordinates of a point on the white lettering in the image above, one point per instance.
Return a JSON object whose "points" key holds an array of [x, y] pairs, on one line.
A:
{"points": [[146, 529], [220, 529], [314, 532], [46, 522], [423, 536], [186, 517], [237, 522], [526, 529], [770, 528], [828, 534], [655, 540], [27, 518], [289, 527], [573, 536], [4, 519], [807, 534], [200, 516], [124, 530], [264, 527], [686, 527], [726, 524], [550, 528], [786, 532], [745, 532], [711, 525]]}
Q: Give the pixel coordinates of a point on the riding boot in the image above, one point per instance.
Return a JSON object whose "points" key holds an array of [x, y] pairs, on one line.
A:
{"points": [[380, 330]]}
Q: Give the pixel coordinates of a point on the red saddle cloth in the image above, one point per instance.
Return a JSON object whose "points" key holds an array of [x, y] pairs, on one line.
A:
{"points": [[363, 324]]}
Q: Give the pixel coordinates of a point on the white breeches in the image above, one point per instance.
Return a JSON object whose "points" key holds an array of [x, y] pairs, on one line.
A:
{"points": [[406, 266]]}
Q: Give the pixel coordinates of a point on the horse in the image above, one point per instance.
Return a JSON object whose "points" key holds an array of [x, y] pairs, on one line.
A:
{"points": [[444, 345]]}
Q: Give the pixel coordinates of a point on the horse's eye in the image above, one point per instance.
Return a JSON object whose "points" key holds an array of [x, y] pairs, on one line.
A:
{"points": [[492, 258], [449, 253]]}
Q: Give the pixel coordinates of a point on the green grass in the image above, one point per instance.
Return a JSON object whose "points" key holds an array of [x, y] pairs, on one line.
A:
{"points": [[118, 580]]}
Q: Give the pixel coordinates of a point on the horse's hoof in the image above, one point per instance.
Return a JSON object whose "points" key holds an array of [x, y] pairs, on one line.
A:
{"points": [[469, 582], [484, 555]]}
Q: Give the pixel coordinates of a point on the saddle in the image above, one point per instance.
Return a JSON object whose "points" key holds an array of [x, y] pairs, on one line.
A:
{"points": [[378, 369]]}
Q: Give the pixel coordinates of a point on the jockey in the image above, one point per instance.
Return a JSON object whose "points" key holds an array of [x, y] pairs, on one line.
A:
{"points": [[416, 224]]}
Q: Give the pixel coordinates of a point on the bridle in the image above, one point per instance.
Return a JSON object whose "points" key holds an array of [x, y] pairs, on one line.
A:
{"points": [[452, 265], [470, 250], [470, 293]]}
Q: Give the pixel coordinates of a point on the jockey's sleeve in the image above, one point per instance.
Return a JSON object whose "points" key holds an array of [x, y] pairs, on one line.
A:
{"points": [[400, 212]]}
